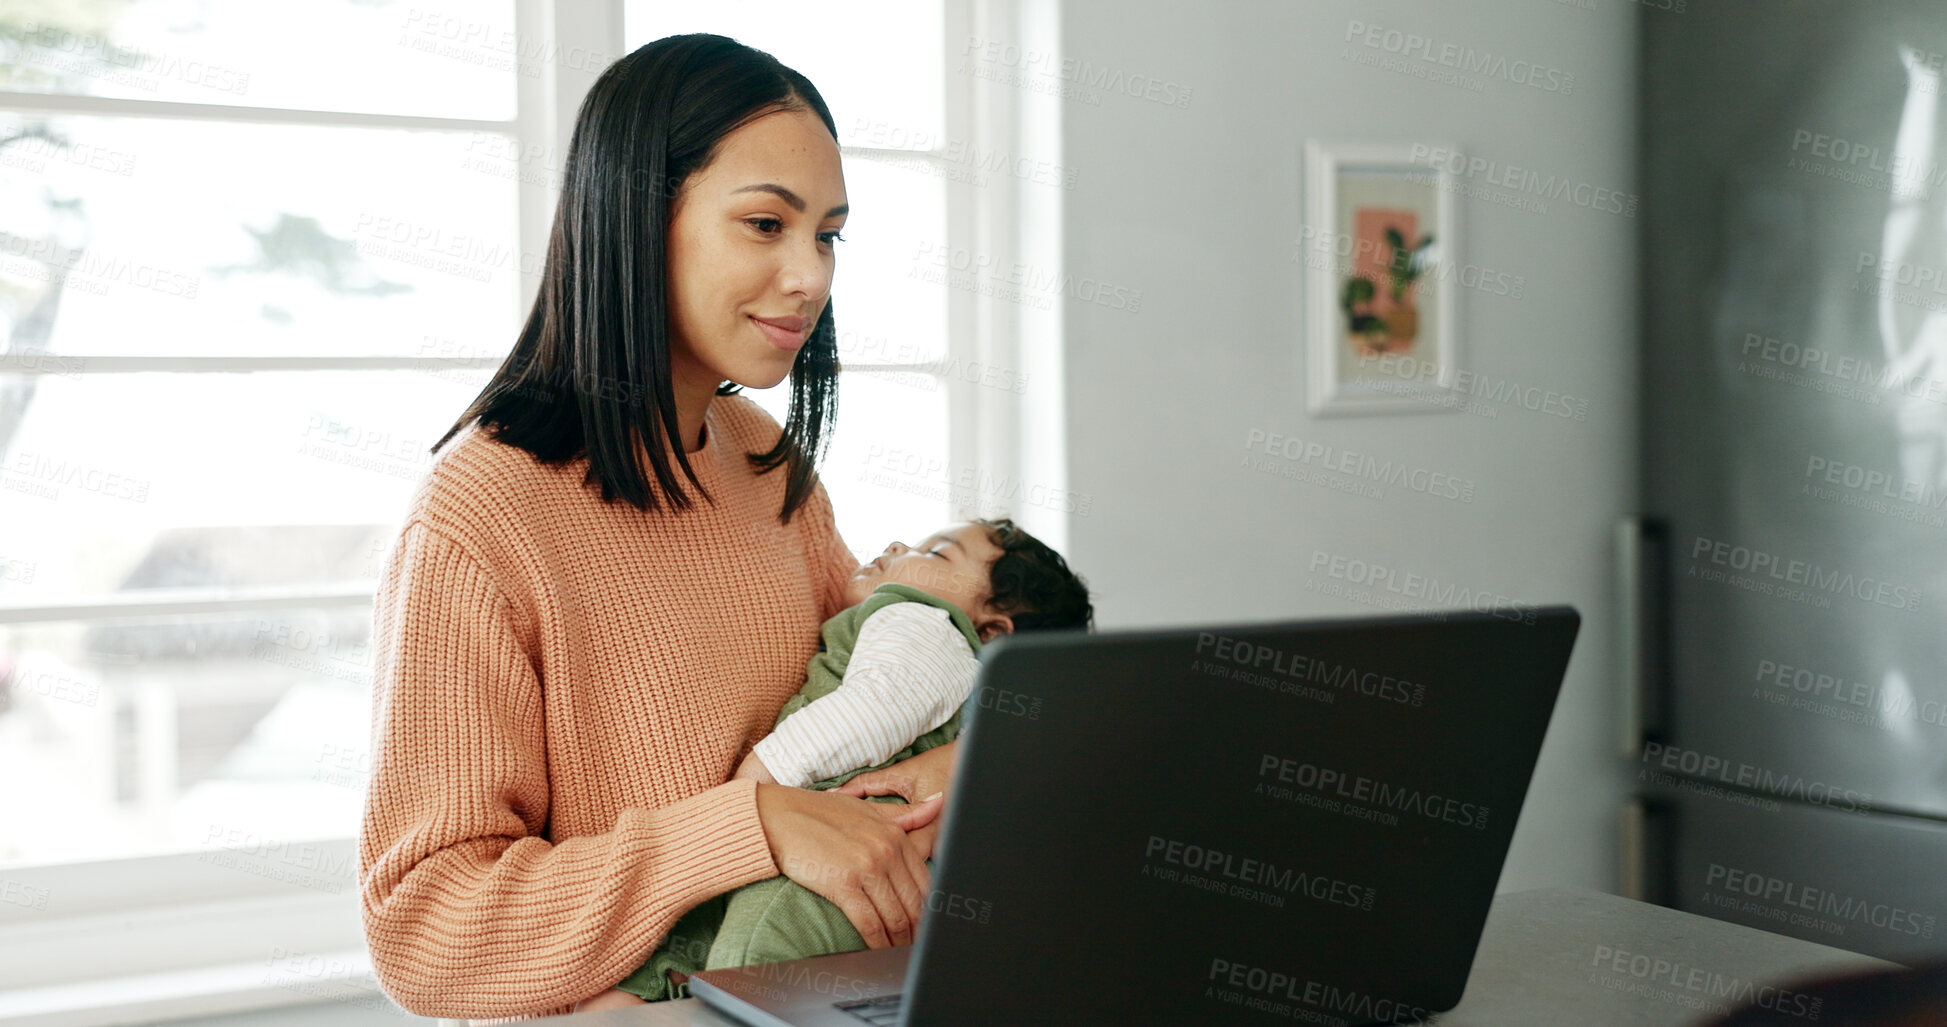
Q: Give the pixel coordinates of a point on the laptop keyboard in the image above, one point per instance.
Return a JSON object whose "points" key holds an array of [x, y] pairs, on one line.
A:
{"points": [[882, 1011]]}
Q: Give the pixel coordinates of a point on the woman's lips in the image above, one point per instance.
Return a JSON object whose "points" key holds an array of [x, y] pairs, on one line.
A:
{"points": [[787, 333]]}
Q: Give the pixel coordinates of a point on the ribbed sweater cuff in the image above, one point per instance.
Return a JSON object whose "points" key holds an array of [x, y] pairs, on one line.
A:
{"points": [[706, 844]]}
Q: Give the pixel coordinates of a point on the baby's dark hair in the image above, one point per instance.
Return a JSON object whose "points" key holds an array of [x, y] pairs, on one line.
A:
{"points": [[1032, 584]]}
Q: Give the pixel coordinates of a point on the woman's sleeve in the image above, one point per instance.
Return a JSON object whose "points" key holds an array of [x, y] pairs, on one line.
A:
{"points": [[828, 551], [469, 911]]}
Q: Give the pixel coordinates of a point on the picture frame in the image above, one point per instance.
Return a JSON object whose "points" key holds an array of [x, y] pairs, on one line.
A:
{"points": [[1379, 249]]}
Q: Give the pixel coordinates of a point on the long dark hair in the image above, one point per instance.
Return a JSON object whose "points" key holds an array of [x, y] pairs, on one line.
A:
{"points": [[590, 374]]}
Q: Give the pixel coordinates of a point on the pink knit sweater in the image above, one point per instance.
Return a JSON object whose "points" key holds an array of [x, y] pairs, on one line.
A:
{"points": [[562, 690]]}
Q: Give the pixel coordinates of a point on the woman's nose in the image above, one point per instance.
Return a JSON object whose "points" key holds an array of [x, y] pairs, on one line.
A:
{"points": [[805, 271]]}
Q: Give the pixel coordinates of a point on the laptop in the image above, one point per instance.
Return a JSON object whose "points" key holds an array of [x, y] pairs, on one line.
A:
{"points": [[1239, 824]]}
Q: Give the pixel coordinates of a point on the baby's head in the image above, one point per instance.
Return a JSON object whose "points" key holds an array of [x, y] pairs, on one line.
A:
{"points": [[1005, 579]]}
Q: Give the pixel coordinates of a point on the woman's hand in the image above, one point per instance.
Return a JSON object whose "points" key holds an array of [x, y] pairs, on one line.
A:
{"points": [[855, 854], [919, 780]]}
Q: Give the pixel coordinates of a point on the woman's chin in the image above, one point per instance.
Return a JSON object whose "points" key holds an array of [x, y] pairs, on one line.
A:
{"points": [[761, 377]]}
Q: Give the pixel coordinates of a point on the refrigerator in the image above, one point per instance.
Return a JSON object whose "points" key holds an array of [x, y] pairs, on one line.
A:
{"points": [[1786, 580]]}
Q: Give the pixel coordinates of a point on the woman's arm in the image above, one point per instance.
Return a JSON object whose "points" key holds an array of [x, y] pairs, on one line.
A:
{"points": [[468, 909]]}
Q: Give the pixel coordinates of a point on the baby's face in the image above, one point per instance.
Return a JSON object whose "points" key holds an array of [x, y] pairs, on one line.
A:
{"points": [[953, 563]]}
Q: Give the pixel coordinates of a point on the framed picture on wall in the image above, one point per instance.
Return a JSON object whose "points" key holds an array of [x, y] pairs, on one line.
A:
{"points": [[1378, 250]]}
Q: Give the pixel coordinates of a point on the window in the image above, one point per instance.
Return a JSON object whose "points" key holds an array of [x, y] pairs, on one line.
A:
{"points": [[232, 294], [254, 259]]}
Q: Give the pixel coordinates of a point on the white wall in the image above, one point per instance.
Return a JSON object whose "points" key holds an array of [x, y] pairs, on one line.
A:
{"points": [[1200, 208]]}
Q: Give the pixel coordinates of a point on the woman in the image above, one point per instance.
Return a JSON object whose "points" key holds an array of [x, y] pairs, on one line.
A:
{"points": [[570, 657]]}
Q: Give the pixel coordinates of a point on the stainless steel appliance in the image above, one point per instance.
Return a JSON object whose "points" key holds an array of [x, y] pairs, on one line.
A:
{"points": [[1789, 724]]}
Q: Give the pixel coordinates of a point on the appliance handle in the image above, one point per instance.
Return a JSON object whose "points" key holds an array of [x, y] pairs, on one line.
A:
{"points": [[1643, 589]]}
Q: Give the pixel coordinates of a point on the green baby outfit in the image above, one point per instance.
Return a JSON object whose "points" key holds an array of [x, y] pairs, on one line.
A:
{"points": [[780, 919]]}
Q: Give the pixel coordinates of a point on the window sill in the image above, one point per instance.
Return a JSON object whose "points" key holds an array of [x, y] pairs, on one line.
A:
{"points": [[343, 977]]}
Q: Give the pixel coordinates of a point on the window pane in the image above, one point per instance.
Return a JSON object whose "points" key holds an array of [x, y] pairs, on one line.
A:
{"points": [[121, 236], [889, 295], [886, 469], [112, 483], [877, 63], [454, 60], [137, 737]]}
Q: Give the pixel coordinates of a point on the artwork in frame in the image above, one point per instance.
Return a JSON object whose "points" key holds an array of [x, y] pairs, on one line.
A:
{"points": [[1378, 250]]}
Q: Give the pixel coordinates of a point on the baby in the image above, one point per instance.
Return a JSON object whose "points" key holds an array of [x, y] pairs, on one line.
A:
{"points": [[892, 671]]}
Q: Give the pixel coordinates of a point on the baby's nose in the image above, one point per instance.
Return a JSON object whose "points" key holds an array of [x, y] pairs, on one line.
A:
{"points": [[897, 547]]}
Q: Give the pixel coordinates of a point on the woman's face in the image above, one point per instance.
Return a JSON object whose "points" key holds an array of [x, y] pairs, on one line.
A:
{"points": [[751, 251]]}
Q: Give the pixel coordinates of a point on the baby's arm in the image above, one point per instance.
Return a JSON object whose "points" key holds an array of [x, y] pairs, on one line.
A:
{"points": [[909, 671]]}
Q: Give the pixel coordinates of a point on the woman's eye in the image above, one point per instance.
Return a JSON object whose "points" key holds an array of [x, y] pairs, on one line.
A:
{"points": [[831, 237], [765, 225]]}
